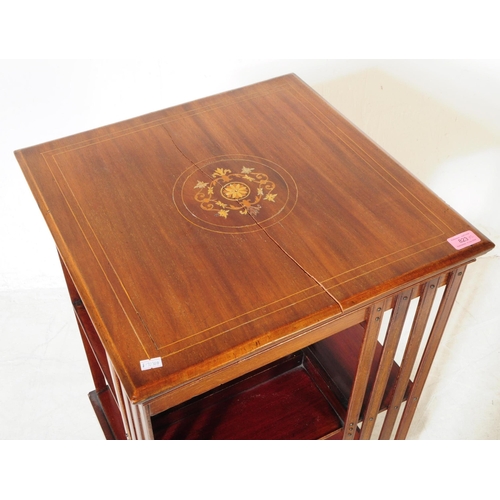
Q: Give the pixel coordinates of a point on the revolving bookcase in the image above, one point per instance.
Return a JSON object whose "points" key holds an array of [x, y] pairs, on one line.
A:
{"points": [[250, 266]]}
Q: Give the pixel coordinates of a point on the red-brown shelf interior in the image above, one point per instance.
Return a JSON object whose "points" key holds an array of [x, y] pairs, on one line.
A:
{"points": [[303, 396], [281, 401], [338, 355]]}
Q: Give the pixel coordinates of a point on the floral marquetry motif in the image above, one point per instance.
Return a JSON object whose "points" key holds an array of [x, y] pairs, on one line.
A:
{"points": [[241, 191], [235, 193]]}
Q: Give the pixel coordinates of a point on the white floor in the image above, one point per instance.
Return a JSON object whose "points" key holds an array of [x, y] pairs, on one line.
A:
{"points": [[43, 369]]}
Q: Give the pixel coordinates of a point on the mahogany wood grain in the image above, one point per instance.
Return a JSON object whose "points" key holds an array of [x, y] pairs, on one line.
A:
{"points": [[364, 364], [286, 404], [223, 234], [386, 362], [417, 331]]}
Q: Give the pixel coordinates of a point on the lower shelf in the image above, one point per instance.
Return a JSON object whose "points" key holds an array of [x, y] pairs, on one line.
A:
{"points": [[108, 414], [281, 401]]}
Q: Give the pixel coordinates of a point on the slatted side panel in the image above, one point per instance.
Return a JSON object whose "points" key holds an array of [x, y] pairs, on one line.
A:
{"points": [[363, 372], [410, 333], [443, 314], [121, 399], [136, 418]]}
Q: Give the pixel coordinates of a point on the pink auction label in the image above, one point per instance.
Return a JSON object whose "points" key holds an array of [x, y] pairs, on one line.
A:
{"points": [[463, 240]]}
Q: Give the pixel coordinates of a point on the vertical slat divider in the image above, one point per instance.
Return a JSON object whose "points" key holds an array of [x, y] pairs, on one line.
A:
{"points": [[392, 337], [136, 419], [430, 350], [128, 411], [127, 415], [95, 370], [363, 370], [410, 355], [120, 397], [147, 428]]}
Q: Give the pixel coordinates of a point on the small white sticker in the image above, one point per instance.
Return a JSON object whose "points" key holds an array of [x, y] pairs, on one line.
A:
{"points": [[148, 364]]}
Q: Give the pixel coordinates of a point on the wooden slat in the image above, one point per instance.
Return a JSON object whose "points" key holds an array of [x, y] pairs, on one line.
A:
{"points": [[363, 371], [413, 344], [393, 335], [136, 421], [128, 415], [95, 368], [145, 416]]}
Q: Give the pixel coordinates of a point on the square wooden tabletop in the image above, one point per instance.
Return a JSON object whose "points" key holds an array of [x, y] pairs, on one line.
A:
{"points": [[203, 233]]}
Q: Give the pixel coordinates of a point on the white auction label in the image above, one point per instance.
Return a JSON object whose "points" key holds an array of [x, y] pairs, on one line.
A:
{"points": [[148, 364]]}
